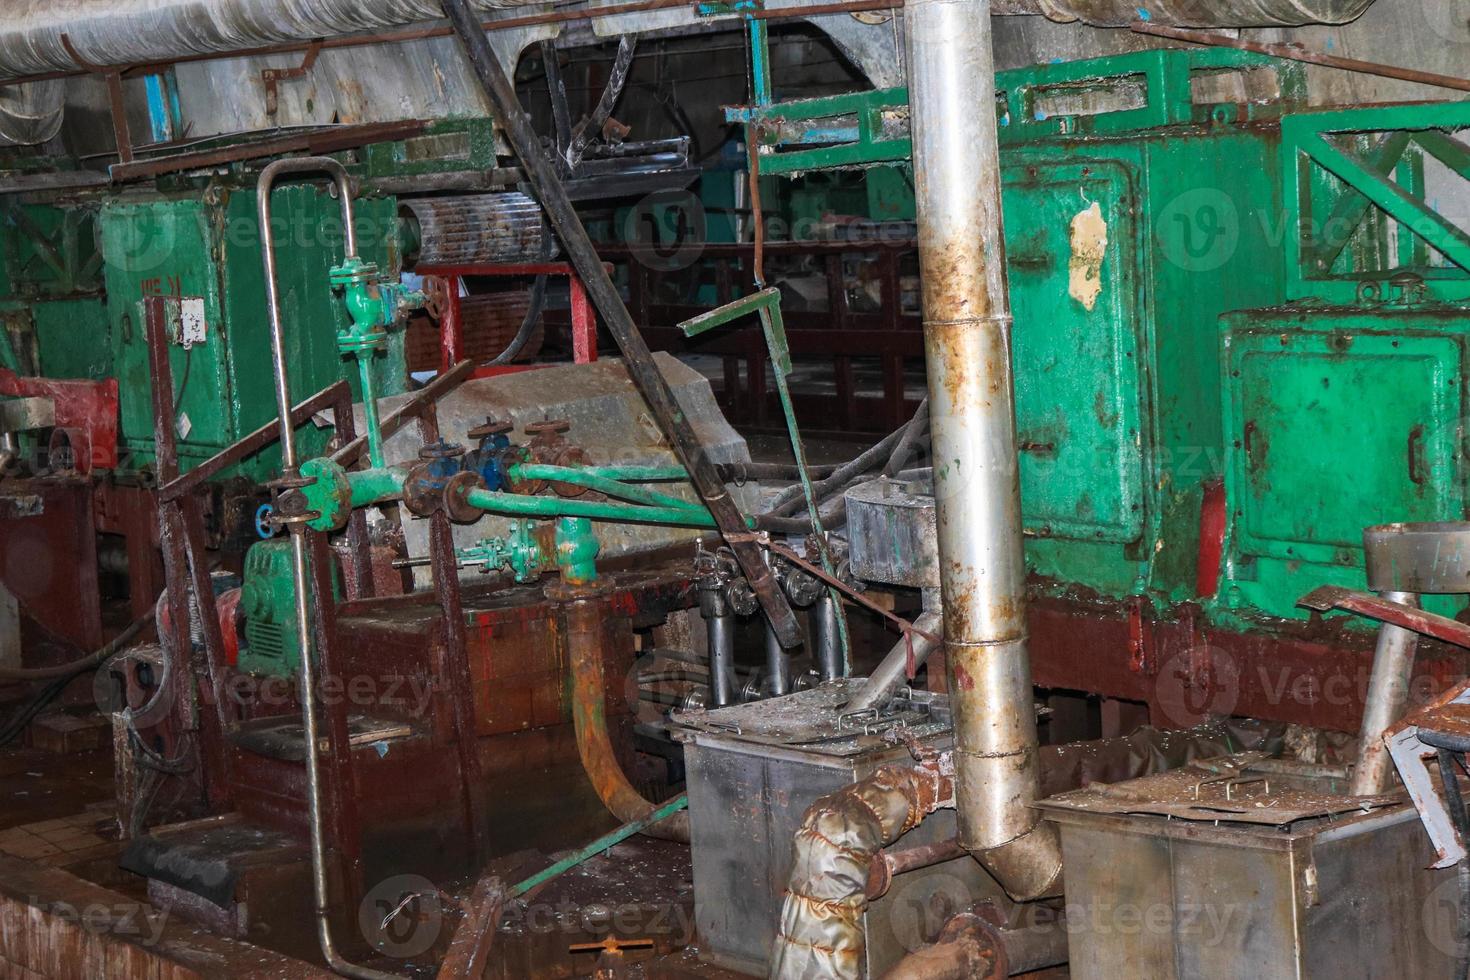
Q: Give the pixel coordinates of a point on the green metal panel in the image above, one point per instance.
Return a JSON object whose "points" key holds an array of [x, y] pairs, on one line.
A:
{"points": [[1076, 368], [268, 602], [1310, 463], [72, 338], [1356, 202], [206, 248], [1192, 215]]}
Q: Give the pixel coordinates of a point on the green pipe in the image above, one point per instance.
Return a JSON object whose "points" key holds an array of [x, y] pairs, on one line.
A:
{"points": [[601, 844], [640, 474], [376, 485], [523, 506], [595, 481], [370, 409]]}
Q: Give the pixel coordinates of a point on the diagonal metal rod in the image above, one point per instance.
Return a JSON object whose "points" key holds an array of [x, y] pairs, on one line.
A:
{"points": [[651, 383]]}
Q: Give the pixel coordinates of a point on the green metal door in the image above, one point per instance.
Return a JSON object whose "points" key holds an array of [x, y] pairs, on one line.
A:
{"points": [[1331, 432], [1076, 348]]}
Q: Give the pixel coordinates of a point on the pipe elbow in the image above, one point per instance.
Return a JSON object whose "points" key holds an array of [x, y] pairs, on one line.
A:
{"points": [[820, 932]]}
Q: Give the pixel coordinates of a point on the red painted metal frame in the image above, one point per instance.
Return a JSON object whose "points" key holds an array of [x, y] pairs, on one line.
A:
{"points": [[451, 335], [85, 410], [839, 334]]}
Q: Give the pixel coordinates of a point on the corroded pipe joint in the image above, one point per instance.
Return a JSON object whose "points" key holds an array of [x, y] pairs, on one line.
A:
{"points": [[967, 948]]}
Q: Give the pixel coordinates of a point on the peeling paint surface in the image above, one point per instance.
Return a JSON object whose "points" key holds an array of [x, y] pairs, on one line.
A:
{"points": [[1089, 239]]}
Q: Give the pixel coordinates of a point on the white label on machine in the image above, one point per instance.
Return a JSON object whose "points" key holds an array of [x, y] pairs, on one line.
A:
{"points": [[192, 329], [185, 426]]}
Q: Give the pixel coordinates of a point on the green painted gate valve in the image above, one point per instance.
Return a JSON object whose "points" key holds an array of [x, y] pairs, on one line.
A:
{"points": [[518, 551], [373, 302]]}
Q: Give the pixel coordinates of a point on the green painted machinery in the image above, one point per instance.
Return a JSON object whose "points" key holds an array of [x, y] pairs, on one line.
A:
{"points": [[202, 249], [1347, 407], [51, 299], [268, 604], [1135, 214]]}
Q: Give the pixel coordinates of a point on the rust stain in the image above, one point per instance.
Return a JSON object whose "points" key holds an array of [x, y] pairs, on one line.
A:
{"points": [[962, 679]]}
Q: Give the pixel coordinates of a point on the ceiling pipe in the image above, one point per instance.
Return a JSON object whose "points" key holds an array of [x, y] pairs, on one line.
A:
{"points": [[128, 32], [1190, 13], [967, 346]]}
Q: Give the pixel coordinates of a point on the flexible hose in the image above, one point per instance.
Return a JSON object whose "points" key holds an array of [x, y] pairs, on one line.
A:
{"points": [[83, 663], [528, 325]]}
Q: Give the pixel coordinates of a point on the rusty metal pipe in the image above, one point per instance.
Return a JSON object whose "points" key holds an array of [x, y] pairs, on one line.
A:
{"points": [[967, 948], [967, 344], [886, 864], [582, 622]]}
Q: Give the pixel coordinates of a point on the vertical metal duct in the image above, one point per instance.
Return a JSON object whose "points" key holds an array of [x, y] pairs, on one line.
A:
{"points": [[967, 344]]}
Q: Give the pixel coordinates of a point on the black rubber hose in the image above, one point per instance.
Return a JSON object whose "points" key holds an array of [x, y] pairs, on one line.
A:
{"points": [[528, 325], [71, 668], [1445, 740], [1449, 780]]}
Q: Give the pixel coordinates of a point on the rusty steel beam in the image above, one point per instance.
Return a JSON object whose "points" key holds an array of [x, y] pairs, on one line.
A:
{"points": [[186, 483], [1388, 611], [322, 141]]}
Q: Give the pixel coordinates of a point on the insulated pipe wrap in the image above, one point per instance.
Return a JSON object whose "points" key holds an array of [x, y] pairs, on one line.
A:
{"points": [[119, 32], [1191, 13], [820, 934]]}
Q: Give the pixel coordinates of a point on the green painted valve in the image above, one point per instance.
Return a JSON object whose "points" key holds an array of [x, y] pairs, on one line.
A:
{"points": [[576, 550], [518, 551]]}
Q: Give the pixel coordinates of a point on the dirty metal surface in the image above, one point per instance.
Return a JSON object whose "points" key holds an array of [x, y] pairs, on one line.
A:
{"points": [[815, 719], [54, 924], [1247, 788]]}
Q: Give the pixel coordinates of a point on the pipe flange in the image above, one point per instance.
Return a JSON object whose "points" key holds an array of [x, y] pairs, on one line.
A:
{"points": [[423, 492], [559, 591], [456, 496]]}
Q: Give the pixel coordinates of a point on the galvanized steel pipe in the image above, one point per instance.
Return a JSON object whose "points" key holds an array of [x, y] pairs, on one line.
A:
{"points": [[1388, 696], [320, 877], [967, 343]]}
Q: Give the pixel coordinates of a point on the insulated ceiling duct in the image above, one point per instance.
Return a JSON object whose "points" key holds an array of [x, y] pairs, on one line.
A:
{"points": [[121, 32], [117, 32], [1191, 13]]}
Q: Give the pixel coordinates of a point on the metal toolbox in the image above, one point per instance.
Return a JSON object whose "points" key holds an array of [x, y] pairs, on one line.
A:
{"points": [[1249, 867]]}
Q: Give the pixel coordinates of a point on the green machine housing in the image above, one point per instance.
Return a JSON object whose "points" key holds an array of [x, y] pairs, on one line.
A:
{"points": [[268, 603], [51, 296], [1347, 407], [202, 249], [1142, 198], [1136, 212]]}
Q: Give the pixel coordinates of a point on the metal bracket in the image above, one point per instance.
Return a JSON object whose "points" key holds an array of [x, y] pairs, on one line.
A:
{"points": [[1386, 611], [272, 77]]}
